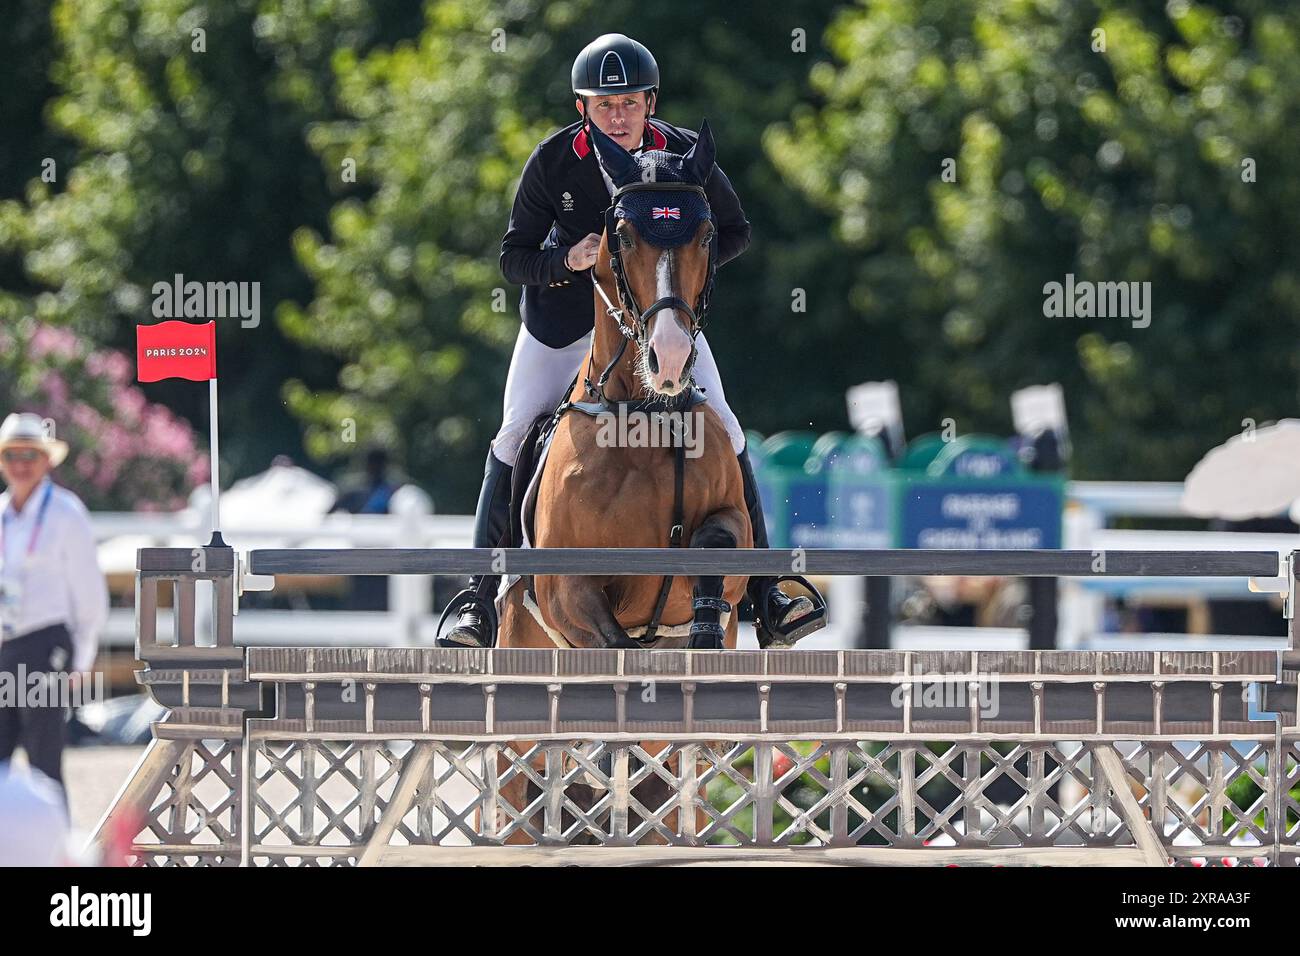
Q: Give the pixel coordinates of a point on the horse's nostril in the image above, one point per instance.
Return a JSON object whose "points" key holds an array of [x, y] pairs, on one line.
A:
{"points": [[653, 361]]}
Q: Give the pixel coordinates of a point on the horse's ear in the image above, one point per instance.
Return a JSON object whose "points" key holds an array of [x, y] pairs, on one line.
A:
{"points": [[699, 159], [618, 162]]}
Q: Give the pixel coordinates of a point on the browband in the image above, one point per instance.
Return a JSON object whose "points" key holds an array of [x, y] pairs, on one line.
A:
{"points": [[660, 187]]}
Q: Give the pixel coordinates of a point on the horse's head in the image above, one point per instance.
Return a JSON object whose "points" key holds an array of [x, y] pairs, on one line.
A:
{"points": [[659, 241]]}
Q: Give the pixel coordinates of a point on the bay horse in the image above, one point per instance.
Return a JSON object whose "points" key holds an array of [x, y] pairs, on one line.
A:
{"points": [[597, 494]]}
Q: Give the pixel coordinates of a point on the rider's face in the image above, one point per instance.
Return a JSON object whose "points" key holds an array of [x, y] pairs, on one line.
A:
{"points": [[621, 117]]}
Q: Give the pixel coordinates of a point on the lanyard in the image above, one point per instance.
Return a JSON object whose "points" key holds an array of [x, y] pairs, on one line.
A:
{"points": [[36, 531]]}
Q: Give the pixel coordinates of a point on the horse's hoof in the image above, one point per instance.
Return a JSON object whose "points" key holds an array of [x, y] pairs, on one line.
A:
{"points": [[623, 644]]}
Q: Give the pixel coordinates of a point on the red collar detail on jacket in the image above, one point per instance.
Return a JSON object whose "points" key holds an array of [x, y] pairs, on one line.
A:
{"points": [[582, 147]]}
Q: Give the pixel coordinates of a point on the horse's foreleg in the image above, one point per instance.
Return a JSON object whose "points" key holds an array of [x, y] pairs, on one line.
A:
{"points": [[579, 609], [724, 528]]}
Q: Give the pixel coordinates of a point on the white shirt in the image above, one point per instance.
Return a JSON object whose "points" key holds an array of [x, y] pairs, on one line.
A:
{"points": [[60, 583]]}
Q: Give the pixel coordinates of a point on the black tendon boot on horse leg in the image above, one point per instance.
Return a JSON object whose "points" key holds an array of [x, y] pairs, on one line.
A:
{"points": [[477, 624], [708, 602], [779, 620], [708, 605]]}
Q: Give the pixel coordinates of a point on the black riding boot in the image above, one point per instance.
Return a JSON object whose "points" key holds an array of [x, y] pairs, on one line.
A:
{"points": [[778, 619], [477, 624]]}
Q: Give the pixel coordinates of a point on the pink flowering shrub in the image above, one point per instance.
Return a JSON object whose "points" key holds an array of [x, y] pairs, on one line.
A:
{"points": [[127, 454]]}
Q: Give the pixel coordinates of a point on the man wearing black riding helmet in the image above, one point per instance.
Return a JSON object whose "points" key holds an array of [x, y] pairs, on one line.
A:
{"points": [[552, 241]]}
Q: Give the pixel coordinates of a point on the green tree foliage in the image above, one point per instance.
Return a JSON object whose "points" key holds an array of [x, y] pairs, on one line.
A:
{"points": [[27, 50], [1122, 163], [408, 292], [188, 157]]}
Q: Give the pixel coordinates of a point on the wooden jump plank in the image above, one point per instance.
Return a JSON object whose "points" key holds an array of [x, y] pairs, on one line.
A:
{"points": [[689, 561], [771, 856]]}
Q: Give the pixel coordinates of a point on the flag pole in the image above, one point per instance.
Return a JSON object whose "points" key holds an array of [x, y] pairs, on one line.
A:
{"points": [[217, 541], [187, 350]]}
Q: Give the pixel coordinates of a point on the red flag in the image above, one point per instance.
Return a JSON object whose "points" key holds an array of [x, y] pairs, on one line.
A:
{"points": [[176, 350]]}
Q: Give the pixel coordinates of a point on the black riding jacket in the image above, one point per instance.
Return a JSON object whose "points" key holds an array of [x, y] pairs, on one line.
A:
{"points": [[562, 197]]}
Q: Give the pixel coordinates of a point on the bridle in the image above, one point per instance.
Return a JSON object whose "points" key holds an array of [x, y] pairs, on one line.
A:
{"points": [[639, 332], [699, 311]]}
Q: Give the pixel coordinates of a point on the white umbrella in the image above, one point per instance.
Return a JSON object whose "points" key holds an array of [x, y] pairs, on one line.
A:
{"points": [[283, 495], [1252, 475]]}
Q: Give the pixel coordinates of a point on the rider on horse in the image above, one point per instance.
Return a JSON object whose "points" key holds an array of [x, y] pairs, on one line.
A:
{"points": [[549, 247]]}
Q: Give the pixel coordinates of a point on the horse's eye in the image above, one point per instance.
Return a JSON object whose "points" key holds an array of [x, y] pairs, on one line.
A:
{"points": [[708, 238]]}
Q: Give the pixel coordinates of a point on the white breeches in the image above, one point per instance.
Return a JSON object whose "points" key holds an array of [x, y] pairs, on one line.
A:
{"points": [[540, 374]]}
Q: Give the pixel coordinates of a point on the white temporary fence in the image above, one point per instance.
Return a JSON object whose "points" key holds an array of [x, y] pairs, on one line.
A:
{"points": [[408, 620], [1090, 508]]}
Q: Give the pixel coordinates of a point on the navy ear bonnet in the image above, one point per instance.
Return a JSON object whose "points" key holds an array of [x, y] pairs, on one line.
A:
{"points": [[663, 217]]}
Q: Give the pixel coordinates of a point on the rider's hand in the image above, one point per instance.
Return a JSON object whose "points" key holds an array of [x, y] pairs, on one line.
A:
{"points": [[583, 255]]}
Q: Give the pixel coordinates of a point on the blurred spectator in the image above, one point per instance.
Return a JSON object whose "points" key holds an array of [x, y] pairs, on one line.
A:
{"points": [[33, 822], [53, 596], [371, 493]]}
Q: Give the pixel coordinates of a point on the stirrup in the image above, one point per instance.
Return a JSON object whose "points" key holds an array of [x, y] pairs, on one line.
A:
{"points": [[770, 635], [470, 599]]}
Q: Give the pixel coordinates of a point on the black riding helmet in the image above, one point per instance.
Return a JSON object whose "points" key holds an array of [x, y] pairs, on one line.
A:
{"points": [[611, 64]]}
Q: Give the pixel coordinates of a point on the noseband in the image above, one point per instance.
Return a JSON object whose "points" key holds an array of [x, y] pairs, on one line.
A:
{"points": [[639, 332]]}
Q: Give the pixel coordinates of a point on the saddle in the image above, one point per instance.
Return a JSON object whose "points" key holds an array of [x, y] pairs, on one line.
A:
{"points": [[531, 451]]}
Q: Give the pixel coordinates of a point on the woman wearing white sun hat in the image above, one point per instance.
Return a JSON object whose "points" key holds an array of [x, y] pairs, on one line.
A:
{"points": [[53, 596]]}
